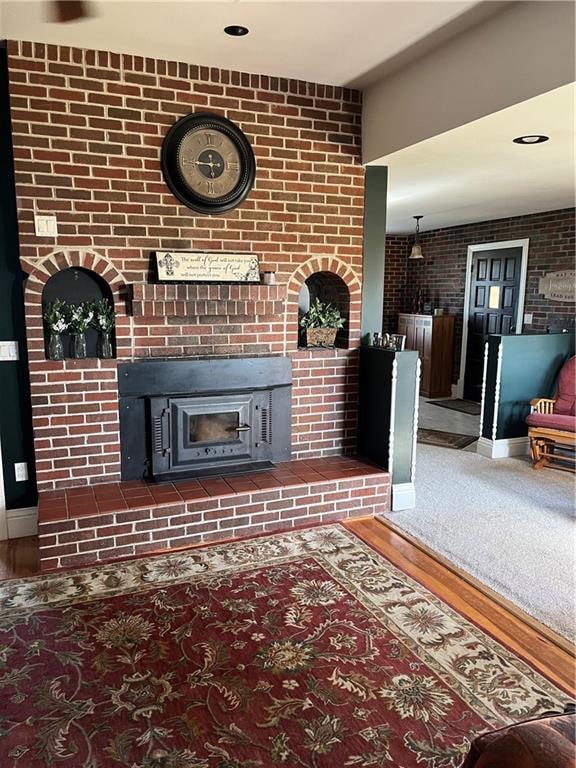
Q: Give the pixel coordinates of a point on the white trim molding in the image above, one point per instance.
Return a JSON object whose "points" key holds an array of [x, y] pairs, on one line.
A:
{"points": [[392, 417], [483, 397], [519, 319], [3, 517], [496, 392], [403, 496], [503, 448], [415, 422], [22, 522]]}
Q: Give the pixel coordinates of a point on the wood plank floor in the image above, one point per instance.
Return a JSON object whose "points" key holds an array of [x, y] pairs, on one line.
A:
{"points": [[19, 558], [536, 644]]}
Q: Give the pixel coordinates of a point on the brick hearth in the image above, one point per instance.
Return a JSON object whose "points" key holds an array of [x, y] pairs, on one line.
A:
{"points": [[100, 523]]}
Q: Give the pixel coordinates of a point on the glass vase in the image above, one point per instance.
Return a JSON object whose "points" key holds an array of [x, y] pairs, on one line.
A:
{"points": [[105, 350], [55, 347], [79, 345]]}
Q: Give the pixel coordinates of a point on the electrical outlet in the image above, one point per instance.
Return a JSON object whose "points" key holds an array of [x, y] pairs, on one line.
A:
{"points": [[21, 471], [45, 226], [8, 350]]}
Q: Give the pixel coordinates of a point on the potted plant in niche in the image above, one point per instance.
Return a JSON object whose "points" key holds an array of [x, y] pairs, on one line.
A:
{"points": [[321, 324], [79, 319], [104, 321], [57, 323]]}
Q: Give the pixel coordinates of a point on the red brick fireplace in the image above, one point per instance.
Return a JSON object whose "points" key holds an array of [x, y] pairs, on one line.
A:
{"points": [[87, 132]]}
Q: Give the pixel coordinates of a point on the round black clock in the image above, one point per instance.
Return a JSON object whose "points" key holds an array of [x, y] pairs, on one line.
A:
{"points": [[208, 163]]}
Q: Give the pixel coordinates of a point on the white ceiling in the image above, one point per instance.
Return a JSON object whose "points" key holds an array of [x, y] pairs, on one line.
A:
{"points": [[315, 40], [475, 172]]}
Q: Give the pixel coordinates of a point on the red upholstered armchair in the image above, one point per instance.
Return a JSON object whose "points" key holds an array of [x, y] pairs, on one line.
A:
{"points": [[552, 423], [545, 742]]}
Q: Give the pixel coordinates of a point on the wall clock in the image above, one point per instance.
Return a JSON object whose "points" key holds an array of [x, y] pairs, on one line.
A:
{"points": [[208, 163]]}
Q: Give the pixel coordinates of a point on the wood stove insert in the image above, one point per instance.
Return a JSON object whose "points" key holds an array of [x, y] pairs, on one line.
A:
{"points": [[192, 418]]}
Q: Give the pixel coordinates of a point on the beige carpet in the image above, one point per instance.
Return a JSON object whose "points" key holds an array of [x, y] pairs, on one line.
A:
{"points": [[511, 527]]}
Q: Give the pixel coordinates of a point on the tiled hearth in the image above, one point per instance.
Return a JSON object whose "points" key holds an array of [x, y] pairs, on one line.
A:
{"points": [[99, 523]]}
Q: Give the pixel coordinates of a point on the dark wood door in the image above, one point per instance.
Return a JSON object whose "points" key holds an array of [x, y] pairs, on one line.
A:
{"points": [[493, 303]]}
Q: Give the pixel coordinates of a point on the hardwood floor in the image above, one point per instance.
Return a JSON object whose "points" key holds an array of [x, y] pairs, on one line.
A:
{"points": [[19, 558], [539, 646]]}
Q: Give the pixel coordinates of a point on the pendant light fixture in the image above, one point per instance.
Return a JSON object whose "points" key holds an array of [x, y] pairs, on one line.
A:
{"points": [[416, 252]]}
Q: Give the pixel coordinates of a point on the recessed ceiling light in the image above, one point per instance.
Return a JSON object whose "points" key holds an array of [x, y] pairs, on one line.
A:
{"points": [[532, 139], [236, 30]]}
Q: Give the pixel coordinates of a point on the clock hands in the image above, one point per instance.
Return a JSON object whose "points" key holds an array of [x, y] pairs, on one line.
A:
{"points": [[210, 164]]}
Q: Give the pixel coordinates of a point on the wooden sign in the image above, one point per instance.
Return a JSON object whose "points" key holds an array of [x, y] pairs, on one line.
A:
{"points": [[207, 267], [559, 286]]}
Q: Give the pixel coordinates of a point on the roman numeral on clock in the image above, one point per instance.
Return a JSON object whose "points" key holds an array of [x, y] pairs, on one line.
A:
{"points": [[232, 166], [210, 140]]}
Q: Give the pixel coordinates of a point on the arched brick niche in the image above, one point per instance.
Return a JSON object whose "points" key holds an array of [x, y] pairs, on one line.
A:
{"points": [[76, 285], [74, 402], [329, 279], [40, 272], [328, 287]]}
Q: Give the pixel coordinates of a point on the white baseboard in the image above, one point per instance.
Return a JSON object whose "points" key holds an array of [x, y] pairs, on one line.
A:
{"points": [[504, 448], [22, 522], [456, 391], [403, 496]]}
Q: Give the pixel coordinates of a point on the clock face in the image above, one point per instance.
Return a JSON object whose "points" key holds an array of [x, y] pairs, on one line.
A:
{"points": [[208, 163]]}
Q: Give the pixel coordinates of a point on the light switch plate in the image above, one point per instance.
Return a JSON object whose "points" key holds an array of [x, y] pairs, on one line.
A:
{"points": [[21, 471], [8, 350], [45, 226], [528, 318]]}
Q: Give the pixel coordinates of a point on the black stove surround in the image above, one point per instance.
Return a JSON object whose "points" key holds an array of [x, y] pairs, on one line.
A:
{"points": [[192, 418]]}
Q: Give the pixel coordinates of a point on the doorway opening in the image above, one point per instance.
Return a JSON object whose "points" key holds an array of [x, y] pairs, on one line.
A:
{"points": [[493, 304]]}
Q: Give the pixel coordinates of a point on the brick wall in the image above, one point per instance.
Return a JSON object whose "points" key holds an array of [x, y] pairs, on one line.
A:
{"points": [[442, 272], [87, 132], [395, 264]]}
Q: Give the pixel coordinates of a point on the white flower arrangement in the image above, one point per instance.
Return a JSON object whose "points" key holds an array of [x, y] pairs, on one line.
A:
{"points": [[104, 316], [55, 316], [79, 317]]}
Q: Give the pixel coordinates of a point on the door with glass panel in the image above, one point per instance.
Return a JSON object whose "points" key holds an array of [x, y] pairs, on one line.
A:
{"points": [[493, 305]]}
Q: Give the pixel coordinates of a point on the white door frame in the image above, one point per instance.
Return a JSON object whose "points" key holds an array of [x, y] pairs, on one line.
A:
{"points": [[472, 249]]}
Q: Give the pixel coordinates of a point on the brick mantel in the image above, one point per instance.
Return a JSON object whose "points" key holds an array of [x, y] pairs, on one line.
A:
{"points": [[207, 320]]}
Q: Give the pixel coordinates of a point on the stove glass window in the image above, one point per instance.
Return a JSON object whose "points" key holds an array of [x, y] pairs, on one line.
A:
{"points": [[213, 427]]}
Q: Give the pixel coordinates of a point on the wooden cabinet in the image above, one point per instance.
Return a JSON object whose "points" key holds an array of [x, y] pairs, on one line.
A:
{"points": [[433, 339]]}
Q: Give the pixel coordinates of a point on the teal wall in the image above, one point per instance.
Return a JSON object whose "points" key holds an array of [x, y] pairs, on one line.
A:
{"points": [[376, 187], [15, 411], [530, 367]]}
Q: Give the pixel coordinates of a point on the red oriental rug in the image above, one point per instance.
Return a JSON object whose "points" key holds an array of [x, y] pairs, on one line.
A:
{"points": [[305, 649]]}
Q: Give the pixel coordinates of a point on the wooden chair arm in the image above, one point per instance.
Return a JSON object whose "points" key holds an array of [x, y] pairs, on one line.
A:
{"points": [[542, 405]]}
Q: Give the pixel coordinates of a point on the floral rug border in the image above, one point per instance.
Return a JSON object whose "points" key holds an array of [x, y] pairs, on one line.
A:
{"points": [[471, 662]]}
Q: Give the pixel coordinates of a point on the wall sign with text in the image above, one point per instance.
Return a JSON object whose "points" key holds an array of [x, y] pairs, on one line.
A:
{"points": [[558, 286], [207, 267]]}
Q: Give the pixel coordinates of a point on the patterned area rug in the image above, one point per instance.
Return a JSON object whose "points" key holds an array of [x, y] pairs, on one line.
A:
{"points": [[305, 649], [444, 439], [463, 406]]}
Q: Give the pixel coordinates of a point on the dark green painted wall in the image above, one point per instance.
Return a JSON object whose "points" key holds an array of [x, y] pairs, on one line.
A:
{"points": [[15, 412], [530, 367], [375, 192]]}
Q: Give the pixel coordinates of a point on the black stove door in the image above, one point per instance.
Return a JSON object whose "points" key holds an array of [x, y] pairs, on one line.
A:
{"points": [[206, 431]]}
